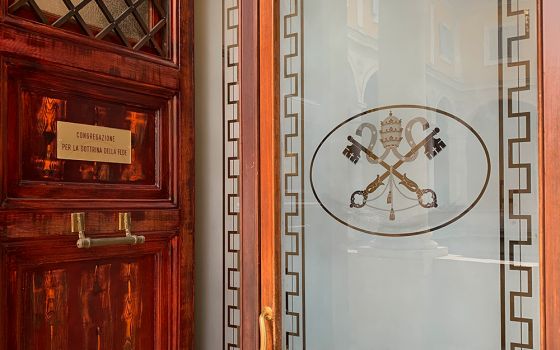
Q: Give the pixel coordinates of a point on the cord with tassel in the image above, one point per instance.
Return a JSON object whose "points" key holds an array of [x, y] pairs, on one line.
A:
{"points": [[390, 196]]}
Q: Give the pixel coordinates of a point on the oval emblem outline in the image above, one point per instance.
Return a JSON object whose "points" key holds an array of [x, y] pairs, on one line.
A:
{"points": [[414, 233]]}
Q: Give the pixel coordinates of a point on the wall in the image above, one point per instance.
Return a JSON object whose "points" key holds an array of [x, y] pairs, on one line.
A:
{"points": [[208, 246]]}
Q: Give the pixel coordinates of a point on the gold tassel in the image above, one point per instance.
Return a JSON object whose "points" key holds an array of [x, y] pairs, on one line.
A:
{"points": [[392, 215]]}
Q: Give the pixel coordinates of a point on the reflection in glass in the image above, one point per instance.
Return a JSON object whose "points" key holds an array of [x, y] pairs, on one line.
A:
{"points": [[352, 279]]}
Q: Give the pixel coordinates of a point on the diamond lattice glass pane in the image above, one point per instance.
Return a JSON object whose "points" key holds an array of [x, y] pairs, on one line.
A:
{"points": [[54, 8], [139, 24], [93, 16], [128, 25], [117, 7], [144, 11], [131, 28]]}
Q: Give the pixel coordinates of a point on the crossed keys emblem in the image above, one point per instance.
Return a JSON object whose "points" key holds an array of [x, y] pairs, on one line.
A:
{"points": [[391, 137]]}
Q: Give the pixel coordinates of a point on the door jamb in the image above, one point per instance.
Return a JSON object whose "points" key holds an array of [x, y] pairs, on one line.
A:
{"points": [[260, 93], [271, 273], [549, 130]]}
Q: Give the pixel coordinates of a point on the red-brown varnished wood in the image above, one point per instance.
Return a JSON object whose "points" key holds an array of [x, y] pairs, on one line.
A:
{"points": [[269, 164], [73, 26], [3, 298], [550, 174], [52, 294], [82, 101], [25, 224], [542, 270], [3, 181], [249, 158], [183, 324], [21, 37], [84, 291], [549, 129]]}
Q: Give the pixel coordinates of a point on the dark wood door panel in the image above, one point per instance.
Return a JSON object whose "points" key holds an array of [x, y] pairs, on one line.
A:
{"points": [[28, 224], [52, 294], [97, 57], [42, 96], [62, 297]]}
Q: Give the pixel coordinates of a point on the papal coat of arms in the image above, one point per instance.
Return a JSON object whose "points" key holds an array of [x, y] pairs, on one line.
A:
{"points": [[390, 181]]}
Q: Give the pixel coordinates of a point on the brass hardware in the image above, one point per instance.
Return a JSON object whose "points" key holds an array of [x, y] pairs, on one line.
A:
{"points": [[266, 315], [125, 223], [78, 225]]}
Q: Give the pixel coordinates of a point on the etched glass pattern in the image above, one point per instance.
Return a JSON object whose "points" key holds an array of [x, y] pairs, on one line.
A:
{"points": [[409, 173]]}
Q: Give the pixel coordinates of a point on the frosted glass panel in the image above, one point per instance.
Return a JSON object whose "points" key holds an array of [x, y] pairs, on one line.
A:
{"points": [[409, 174]]}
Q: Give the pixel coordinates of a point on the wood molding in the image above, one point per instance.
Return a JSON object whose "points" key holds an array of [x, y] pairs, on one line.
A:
{"points": [[27, 79], [42, 231], [185, 184], [550, 173], [271, 273], [77, 37], [118, 62], [249, 163], [549, 129]]}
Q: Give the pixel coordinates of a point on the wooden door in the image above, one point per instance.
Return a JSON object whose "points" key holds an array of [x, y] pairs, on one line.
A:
{"points": [[292, 39], [117, 77]]}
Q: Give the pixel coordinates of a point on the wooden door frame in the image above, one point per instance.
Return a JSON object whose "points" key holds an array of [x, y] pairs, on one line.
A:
{"points": [[549, 107], [260, 242], [271, 250], [43, 45], [249, 184], [259, 80], [186, 180]]}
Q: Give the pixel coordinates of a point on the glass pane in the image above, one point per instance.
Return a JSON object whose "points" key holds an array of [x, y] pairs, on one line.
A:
{"points": [[409, 174], [94, 17], [139, 24]]}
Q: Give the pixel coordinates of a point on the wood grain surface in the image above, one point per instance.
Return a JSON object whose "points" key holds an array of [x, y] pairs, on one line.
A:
{"points": [[52, 294]]}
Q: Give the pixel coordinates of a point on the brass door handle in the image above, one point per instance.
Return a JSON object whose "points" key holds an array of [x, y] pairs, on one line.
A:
{"points": [[78, 225], [266, 315]]}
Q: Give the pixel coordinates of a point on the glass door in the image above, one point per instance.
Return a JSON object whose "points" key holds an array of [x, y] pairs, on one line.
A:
{"points": [[409, 174]]}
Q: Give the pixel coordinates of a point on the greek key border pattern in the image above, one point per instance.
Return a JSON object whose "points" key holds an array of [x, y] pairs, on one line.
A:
{"points": [[231, 180], [293, 180], [518, 272]]}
